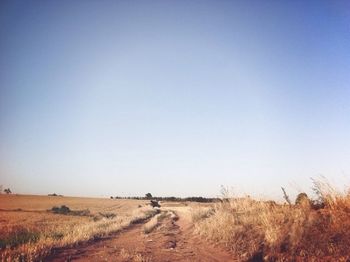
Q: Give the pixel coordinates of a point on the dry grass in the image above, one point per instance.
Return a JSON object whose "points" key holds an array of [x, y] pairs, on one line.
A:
{"points": [[155, 221], [133, 257], [43, 203], [266, 231], [198, 214], [28, 231]]}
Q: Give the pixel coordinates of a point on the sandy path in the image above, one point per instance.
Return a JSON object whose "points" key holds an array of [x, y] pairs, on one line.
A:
{"points": [[172, 240]]}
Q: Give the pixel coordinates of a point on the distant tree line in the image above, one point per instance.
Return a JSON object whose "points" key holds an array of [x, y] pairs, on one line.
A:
{"points": [[148, 196]]}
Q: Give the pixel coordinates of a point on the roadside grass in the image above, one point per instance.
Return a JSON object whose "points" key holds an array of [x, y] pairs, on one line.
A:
{"points": [[198, 214], [154, 222], [266, 231], [133, 257]]}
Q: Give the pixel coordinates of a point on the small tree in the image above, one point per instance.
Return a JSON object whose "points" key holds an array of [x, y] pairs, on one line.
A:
{"points": [[148, 195], [7, 191]]}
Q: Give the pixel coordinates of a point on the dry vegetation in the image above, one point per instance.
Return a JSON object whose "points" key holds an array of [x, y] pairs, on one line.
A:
{"points": [[155, 221], [259, 230], [29, 229], [133, 257], [309, 230]]}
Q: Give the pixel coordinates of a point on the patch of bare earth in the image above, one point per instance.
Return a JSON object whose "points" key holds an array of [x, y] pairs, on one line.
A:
{"points": [[171, 240]]}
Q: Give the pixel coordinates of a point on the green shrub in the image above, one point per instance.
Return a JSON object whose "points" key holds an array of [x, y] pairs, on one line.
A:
{"points": [[19, 237], [61, 210], [64, 210]]}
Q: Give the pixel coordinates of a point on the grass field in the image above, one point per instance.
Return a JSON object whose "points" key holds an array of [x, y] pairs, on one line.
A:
{"points": [[233, 229], [316, 230], [29, 229]]}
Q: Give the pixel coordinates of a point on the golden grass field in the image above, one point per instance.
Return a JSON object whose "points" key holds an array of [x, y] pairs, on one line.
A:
{"points": [[233, 229], [28, 231], [265, 231]]}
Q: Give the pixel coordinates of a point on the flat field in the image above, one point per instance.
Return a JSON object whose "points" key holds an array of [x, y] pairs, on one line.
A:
{"points": [[91, 229], [43, 228], [29, 228]]}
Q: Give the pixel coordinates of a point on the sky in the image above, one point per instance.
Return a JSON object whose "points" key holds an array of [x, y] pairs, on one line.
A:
{"points": [[176, 98]]}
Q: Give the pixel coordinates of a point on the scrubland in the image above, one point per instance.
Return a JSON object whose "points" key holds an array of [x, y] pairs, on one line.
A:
{"points": [[311, 230], [232, 229], [29, 230]]}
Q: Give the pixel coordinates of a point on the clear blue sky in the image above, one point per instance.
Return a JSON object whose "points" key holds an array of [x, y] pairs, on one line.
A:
{"points": [[173, 97]]}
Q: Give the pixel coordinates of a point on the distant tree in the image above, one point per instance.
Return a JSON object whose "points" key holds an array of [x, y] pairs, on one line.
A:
{"points": [[148, 195], [0, 189], [111, 197], [7, 191]]}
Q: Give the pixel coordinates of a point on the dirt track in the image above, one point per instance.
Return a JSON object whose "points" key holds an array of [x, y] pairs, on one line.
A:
{"points": [[172, 240]]}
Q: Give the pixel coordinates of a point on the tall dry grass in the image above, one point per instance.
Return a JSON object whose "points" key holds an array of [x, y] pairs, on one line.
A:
{"points": [[260, 230]]}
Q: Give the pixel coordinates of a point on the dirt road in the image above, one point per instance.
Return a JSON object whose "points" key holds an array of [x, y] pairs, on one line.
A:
{"points": [[171, 240]]}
